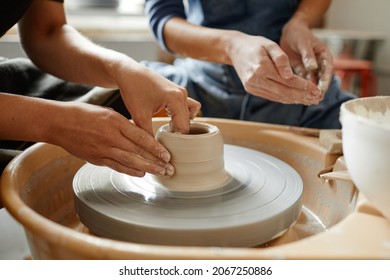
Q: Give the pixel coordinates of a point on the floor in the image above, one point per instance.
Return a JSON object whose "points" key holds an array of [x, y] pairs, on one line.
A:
{"points": [[13, 243]]}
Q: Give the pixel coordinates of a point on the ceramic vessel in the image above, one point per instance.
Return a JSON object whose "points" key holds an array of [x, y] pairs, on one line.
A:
{"points": [[366, 146], [198, 158]]}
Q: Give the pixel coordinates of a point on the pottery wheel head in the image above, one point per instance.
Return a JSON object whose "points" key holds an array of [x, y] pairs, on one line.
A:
{"points": [[246, 198]]}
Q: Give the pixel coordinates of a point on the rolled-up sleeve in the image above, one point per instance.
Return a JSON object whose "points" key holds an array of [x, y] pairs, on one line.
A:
{"points": [[159, 12]]}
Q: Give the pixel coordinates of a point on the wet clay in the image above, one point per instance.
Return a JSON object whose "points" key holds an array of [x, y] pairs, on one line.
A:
{"points": [[198, 158]]}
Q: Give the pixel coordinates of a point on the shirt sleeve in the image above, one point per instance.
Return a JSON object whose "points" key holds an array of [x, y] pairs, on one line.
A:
{"points": [[159, 12]]}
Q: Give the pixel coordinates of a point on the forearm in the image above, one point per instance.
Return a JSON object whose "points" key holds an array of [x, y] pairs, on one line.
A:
{"points": [[27, 118], [67, 54], [199, 42], [59, 49], [311, 12]]}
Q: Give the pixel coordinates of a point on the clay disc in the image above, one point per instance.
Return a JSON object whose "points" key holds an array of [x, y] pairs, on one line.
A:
{"points": [[260, 202]]}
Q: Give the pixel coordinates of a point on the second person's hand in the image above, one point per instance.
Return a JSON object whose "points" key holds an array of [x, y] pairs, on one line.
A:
{"points": [[265, 71], [309, 56]]}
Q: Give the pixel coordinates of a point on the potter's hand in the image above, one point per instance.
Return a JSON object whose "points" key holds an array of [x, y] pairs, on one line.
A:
{"points": [[101, 136], [265, 71], [147, 92], [309, 56]]}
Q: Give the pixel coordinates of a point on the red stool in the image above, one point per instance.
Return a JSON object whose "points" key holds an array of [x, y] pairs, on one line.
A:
{"points": [[347, 68]]}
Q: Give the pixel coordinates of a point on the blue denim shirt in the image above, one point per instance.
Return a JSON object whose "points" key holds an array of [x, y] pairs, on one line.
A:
{"points": [[218, 86]]}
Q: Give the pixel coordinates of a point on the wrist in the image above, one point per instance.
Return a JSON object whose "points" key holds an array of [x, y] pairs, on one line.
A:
{"points": [[232, 42], [116, 65], [127, 70], [295, 25], [57, 119]]}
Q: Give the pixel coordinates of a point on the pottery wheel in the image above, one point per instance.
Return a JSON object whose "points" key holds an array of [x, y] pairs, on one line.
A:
{"points": [[260, 202]]}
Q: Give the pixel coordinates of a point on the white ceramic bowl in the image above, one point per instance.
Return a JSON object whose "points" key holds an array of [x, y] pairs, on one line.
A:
{"points": [[366, 146]]}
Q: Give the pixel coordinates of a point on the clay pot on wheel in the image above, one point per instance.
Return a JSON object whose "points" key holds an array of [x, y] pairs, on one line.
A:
{"points": [[197, 158]]}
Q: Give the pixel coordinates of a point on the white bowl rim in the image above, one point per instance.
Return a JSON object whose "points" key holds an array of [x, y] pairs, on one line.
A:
{"points": [[345, 110]]}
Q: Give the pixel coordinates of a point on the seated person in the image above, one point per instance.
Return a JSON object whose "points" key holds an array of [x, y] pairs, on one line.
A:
{"points": [[250, 60], [96, 134]]}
